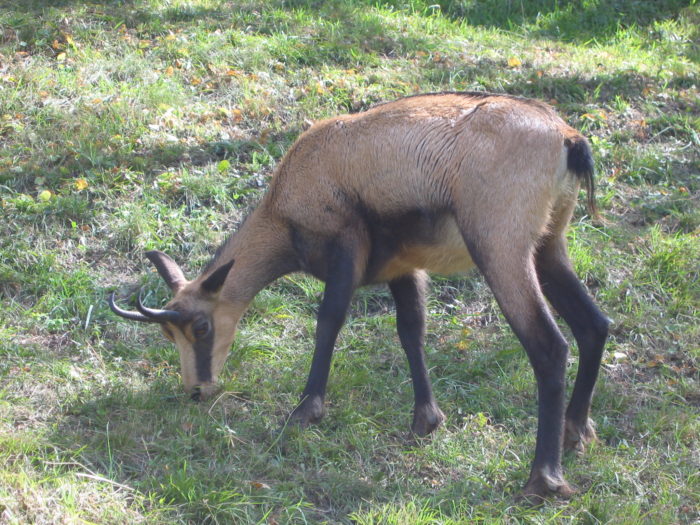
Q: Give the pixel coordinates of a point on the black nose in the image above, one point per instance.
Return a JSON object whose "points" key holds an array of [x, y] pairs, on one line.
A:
{"points": [[196, 394]]}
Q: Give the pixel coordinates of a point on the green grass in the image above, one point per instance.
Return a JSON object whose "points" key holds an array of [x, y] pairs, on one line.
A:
{"points": [[139, 124]]}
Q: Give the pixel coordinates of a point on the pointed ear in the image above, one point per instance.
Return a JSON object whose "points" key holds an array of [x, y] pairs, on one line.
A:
{"points": [[168, 270], [215, 281]]}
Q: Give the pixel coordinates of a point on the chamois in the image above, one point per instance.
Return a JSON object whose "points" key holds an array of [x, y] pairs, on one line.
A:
{"points": [[439, 182]]}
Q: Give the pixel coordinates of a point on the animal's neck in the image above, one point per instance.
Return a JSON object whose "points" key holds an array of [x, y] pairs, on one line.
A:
{"points": [[262, 252]]}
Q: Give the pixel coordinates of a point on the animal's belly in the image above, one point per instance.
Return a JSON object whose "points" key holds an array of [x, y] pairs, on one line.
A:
{"points": [[445, 254]]}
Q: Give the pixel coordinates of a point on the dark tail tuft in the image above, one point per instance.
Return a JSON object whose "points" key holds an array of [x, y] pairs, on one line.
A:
{"points": [[580, 162]]}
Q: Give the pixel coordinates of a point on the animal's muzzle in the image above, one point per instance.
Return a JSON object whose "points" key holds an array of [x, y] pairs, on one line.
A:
{"points": [[204, 391]]}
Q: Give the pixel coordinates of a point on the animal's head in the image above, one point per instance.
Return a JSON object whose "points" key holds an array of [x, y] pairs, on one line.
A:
{"points": [[197, 319]]}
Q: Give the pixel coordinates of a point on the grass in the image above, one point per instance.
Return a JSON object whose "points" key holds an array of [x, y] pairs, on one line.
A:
{"points": [[139, 124]]}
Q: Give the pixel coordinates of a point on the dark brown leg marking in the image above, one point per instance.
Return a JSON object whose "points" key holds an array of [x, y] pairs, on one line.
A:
{"points": [[589, 325], [340, 285]]}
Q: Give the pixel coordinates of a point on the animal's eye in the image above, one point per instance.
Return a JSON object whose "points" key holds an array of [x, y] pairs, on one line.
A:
{"points": [[201, 328]]}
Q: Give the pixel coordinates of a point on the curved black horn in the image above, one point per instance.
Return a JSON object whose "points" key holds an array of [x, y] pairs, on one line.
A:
{"points": [[133, 316], [158, 316]]}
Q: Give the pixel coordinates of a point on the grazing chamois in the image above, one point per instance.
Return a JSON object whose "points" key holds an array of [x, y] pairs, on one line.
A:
{"points": [[438, 182]]}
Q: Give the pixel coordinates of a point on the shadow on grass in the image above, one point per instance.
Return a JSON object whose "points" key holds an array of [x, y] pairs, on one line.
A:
{"points": [[227, 461], [578, 21], [352, 27]]}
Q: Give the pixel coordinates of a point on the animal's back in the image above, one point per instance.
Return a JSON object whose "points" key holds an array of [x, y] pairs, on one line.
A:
{"points": [[418, 151]]}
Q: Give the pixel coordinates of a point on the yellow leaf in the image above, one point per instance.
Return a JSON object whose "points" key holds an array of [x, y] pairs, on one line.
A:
{"points": [[169, 71], [81, 184], [45, 196], [514, 62], [61, 57]]}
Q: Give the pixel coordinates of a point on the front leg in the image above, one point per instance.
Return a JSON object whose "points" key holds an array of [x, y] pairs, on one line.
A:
{"points": [[409, 296], [341, 281]]}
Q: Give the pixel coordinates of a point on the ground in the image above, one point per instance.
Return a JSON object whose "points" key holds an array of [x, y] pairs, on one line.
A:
{"points": [[155, 124]]}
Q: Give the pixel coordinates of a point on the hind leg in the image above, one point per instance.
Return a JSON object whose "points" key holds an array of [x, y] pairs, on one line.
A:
{"points": [[589, 326], [510, 272]]}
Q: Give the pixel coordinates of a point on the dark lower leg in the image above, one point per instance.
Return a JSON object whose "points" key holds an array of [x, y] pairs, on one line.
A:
{"points": [[520, 298], [589, 326], [547, 351], [340, 284], [409, 296]]}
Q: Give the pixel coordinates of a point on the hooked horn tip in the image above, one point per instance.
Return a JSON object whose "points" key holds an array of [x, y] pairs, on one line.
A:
{"points": [[132, 316]]}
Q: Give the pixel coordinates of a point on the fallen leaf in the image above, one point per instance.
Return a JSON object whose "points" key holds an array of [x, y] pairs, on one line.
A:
{"points": [[514, 62], [81, 184]]}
